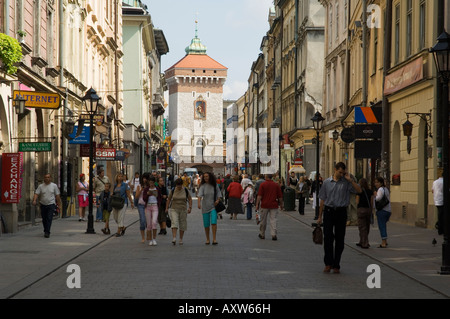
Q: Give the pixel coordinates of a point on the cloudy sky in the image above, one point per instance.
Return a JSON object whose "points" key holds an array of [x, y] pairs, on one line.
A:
{"points": [[232, 30]]}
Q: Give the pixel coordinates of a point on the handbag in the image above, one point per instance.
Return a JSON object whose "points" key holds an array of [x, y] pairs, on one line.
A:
{"points": [[117, 201], [318, 235], [382, 202], [220, 206], [168, 221]]}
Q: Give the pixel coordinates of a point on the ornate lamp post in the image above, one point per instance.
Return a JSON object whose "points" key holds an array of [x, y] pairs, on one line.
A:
{"points": [[317, 120], [441, 53], [91, 100]]}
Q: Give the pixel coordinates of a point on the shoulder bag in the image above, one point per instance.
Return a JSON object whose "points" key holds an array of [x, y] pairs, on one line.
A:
{"points": [[382, 202]]}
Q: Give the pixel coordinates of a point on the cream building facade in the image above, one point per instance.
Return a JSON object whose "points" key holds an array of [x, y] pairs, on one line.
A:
{"points": [[68, 47]]}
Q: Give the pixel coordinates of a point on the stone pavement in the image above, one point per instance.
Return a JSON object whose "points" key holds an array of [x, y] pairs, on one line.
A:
{"points": [[241, 266]]}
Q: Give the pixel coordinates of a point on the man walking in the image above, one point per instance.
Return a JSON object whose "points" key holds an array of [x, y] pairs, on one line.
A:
{"points": [[334, 198], [438, 195], [49, 198], [99, 186], [269, 198]]}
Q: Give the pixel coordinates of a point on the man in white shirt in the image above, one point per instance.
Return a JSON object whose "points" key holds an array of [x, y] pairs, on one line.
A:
{"points": [[49, 199], [438, 195]]}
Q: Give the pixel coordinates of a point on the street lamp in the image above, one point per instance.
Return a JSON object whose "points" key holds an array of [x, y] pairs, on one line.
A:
{"points": [[441, 53], [141, 134], [91, 100], [317, 120]]}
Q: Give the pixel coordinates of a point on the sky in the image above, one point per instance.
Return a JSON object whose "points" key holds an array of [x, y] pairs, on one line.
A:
{"points": [[232, 31]]}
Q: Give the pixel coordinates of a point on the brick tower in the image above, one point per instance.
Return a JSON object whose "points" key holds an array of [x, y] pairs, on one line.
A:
{"points": [[196, 109]]}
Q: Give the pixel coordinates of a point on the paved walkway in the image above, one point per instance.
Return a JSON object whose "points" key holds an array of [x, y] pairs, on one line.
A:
{"points": [[27, 257]]}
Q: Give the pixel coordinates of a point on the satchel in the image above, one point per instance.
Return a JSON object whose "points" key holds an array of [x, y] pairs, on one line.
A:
{"points": [[318, 235], [117, 201], [382, 202]]}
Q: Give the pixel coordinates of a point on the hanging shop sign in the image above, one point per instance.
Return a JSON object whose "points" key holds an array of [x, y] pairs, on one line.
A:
{"points": [[12, 169], [83, 138], [40, 100], [35, 147], [105, 154], [348, 134]]}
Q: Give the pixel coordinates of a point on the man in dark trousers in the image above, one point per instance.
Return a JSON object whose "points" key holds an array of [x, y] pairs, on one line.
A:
{"points": [[334, 198], [49, 199]]}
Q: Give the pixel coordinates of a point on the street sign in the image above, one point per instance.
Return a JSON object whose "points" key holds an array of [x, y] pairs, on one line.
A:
{"points": [[40, 100], [35, 147], [12, 168]]}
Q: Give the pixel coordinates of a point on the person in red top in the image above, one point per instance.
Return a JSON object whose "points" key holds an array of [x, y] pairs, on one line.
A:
{"points": [[234, 198], [267, 202]]}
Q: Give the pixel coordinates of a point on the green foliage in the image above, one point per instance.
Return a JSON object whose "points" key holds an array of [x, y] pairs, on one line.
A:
{"points": [[10, 53]]}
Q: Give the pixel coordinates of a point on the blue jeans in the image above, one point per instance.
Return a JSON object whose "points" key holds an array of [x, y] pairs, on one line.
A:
{"points": [[142, 220], [47, 216], [383, 218], [99, 215], [249, 210]]}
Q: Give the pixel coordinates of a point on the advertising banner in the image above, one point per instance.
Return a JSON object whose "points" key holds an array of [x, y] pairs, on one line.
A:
{"points": [[12, 169]]}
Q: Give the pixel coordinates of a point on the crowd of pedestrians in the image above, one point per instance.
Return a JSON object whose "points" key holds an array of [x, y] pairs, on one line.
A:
{"points": [[161, 206]]}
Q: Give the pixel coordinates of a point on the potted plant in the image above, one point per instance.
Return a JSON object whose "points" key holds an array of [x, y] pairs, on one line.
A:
{"points": [[10, 53]]}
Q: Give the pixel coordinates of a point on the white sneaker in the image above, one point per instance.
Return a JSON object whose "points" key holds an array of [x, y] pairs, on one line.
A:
{"points": [[154, 242], [150, 243]]}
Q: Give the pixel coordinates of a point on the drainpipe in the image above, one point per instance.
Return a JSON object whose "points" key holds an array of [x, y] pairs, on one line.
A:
{"points": [[386, 110], [63, 174], [364, 53]]}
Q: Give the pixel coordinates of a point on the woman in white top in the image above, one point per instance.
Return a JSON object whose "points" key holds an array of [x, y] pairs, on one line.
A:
{"points": [[83, 196], [383, 214]]}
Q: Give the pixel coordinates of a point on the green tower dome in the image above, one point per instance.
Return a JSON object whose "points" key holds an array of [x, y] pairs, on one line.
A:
{"points": [[196, 46]]}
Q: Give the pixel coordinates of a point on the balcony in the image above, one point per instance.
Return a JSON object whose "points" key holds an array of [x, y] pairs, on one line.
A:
{"points": [[157, 105]]}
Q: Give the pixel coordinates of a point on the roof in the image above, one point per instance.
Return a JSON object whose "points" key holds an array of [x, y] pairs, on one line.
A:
{"points": [[198, 61]]}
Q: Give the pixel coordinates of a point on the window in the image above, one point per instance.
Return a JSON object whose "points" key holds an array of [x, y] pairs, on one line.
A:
{"points": [[409, 28], [337, 21], [397, 33], [422, 21]]}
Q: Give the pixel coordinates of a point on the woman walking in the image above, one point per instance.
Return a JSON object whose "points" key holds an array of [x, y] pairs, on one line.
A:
{"points": [[83, 197], [364, 202], [162, 215], [248, 199], [139, 198], [207, 202], [122, 189], [235, 191], [302, 189], [176, 207], [152, 199], [384, 213]]}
